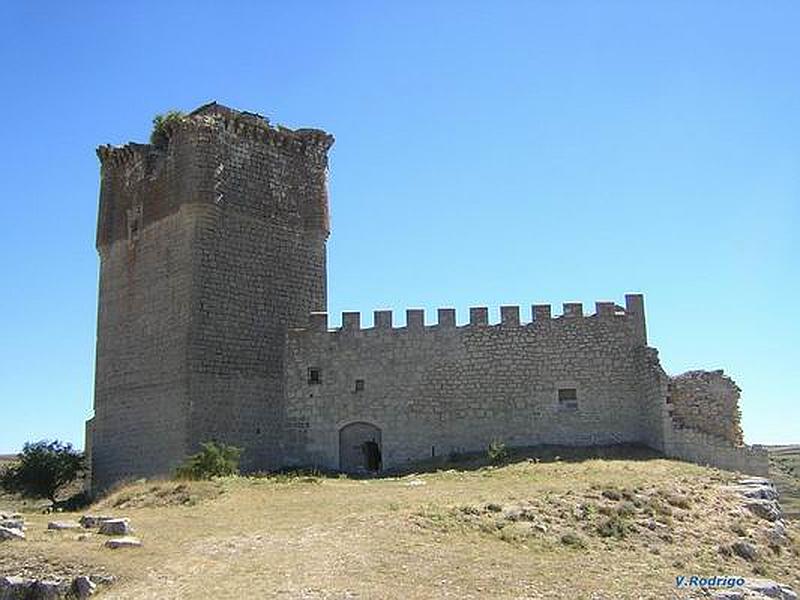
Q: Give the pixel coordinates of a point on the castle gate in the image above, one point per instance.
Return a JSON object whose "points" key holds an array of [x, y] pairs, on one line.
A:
{"points": [[360, 448]]}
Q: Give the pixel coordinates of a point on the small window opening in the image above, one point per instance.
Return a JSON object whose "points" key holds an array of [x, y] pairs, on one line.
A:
{"points": [[359, 385], [568, 399], [314, 376]]}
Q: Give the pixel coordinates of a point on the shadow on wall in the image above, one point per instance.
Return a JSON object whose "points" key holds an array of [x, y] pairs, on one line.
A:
{"points": [[473, 461], [543, 454]]}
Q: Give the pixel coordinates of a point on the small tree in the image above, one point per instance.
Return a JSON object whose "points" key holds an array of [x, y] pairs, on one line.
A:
{"points": [[215, 459], [43, 469], [158, 137]]}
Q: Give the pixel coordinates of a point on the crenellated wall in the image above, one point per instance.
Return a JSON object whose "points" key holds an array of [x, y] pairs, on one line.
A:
{"points": [[442, 388]]}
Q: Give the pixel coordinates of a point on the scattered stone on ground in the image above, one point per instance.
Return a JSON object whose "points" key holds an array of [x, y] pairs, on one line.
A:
{"points": [[745, 550], [115, 527], [15, 587], [766, 509], [755, 589], [58, 525], [761, 495], [83, 586], [123, 542], [12, 523], [93, 521], [9, 533]]}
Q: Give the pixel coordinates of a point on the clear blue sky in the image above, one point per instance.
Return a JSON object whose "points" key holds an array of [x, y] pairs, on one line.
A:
{"points": [[487, 153]]}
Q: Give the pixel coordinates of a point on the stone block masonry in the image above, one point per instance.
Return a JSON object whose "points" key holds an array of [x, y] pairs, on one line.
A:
{"points": [[210, 247], [212, 326]]}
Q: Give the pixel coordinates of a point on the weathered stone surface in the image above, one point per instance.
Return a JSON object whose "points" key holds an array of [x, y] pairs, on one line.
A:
{"points": [[709, 402], [760, 492], [7, 533], [93, 521], [15, 588], [756, 481], [767, 588], [123, 542], [15, 523], [766, 509], [58, 525], [776, 534], [83, 587], [746, 550], [115, 527], [49, 590]]}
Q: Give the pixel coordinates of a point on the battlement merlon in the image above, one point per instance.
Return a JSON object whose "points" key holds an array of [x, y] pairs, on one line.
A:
{"points": [[221, 156], [572, 312]]}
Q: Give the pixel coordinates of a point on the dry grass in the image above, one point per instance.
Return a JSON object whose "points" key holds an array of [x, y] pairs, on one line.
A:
{"points": [[587, 529]]}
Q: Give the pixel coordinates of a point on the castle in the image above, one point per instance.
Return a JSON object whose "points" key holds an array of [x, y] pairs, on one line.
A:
{"points": [[212, 326]]}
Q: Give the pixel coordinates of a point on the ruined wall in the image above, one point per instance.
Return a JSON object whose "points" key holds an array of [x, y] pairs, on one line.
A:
{"points": [[440, 389], [679, 437], [707, 401], [210, 246]]}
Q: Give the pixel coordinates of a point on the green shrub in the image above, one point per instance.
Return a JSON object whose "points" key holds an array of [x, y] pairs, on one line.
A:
{"points": [[613, 526], [158, 137], [626, 509], [573, 539], [43, 468], [215, 459], [612, 494], [497, 452]]}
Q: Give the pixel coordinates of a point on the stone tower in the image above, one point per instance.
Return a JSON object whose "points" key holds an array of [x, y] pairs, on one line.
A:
{"points": [[212, 244]]}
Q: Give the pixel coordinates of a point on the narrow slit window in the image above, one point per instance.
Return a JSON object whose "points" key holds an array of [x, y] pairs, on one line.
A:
{"points": [[568, 399], [314, 376], [359, 385]]}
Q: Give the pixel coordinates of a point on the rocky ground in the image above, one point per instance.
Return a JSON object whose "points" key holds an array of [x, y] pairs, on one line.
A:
{"points": [[635, 527]]}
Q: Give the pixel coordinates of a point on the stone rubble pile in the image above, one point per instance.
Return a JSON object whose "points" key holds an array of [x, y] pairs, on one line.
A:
{"points": [[760, 497], [115, 527], [757, 589], [13, 588]]}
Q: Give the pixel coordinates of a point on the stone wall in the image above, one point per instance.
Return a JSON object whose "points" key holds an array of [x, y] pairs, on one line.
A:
{"points": [[433, 390], [707, 401]]}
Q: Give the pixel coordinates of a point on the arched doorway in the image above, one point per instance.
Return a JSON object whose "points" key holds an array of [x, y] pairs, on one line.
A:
{"points": [[360, 448]]}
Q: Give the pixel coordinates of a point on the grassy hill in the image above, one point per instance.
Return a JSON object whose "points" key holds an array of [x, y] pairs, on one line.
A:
{"points": [[569, 527]]}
